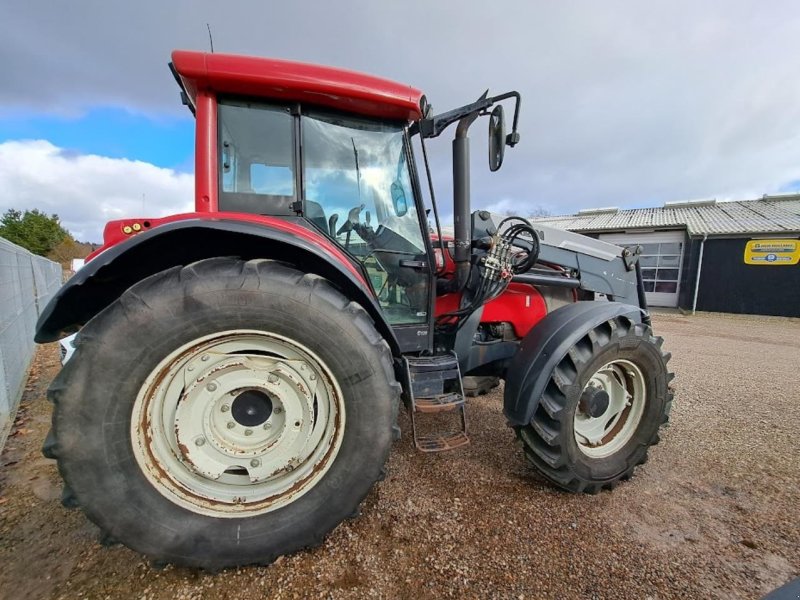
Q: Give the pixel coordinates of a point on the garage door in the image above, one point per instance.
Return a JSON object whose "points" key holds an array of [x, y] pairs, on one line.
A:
{"points": [[661, 260]]}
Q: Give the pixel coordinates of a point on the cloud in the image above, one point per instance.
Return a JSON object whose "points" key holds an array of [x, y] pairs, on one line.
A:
{"points": [[86, 190]]}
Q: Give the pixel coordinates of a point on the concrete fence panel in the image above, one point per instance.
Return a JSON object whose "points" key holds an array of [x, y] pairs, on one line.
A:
{"points": [[27, 283]]}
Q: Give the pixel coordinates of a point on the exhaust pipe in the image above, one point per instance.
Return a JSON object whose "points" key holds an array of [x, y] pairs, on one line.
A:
{"points": [[461, 200]]}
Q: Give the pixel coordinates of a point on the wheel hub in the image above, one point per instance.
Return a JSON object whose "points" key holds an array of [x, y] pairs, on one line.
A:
{"points": [[261, 432], [251, 408], [610, 408], [237, 423], [594, 401]]}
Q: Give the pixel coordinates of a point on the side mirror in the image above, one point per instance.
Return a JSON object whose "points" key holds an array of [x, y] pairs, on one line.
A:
{"points": [[399, 199], [497, 137]]}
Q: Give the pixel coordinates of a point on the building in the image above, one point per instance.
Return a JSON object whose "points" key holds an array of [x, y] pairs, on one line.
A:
{"points": [[737, 257]]}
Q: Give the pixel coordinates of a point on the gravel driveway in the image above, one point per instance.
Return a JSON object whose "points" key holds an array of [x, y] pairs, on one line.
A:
{"points": [[714, 513]]}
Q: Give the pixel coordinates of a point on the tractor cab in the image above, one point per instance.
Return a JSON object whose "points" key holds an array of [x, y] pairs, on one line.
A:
{"points": [[327, 148], [332, 149], [348, 177]]}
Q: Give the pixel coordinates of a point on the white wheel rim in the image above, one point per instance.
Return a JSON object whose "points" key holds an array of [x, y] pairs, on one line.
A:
{"points": [[237, 423], [607, 433]]}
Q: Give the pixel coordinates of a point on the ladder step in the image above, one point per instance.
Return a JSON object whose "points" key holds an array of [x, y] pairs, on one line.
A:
{"points": [[435, 387], [442, 442], [422, 364], [439, 403]]}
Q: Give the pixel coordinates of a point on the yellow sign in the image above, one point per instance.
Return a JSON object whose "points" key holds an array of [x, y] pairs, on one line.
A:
{"points": [[772, 252]]}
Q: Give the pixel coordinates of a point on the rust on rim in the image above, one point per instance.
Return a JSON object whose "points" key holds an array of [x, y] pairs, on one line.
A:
{"points": [[602, 434], [198, 454]]}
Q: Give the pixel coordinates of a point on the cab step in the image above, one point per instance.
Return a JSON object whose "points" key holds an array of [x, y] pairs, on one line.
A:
{"points": [[439, 403], [435, 388], [442, 442]]}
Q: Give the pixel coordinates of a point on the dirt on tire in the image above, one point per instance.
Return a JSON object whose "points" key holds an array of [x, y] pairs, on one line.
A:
{"points": [[712, 514]]}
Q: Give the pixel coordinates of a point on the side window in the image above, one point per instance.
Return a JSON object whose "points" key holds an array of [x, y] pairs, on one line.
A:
{"points": [[266, 179], [257, 170]]}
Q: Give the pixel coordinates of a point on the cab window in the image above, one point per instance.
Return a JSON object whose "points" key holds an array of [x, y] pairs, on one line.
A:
{"points": [[358, 190], [257, 170]]}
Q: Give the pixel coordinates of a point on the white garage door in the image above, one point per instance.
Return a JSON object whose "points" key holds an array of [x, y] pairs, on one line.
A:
{"points": [[661, 260]]}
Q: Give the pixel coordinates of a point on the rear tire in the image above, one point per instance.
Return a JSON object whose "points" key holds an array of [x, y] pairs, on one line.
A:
{"points": [[601, 409], [154, 448]]}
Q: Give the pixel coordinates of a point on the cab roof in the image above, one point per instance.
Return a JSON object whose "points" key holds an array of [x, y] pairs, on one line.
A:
{"points": [[295, 81]]}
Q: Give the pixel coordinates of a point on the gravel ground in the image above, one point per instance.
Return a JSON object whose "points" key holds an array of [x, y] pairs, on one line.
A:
{"points": [[715, 513]]}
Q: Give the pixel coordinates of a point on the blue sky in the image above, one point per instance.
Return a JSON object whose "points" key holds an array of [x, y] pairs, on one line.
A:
{"points": [[166, 141]]}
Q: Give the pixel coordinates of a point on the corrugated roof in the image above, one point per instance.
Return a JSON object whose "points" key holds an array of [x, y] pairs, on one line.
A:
{"points": [[770, 214]]}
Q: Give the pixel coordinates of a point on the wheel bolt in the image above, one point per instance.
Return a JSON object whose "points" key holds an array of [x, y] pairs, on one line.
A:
{"points": [[267, 425], [205, 357], [200, 441], [312, 377], [225, 408], [277, 410], [211, 387], [272, 378], [231, 424], [248, 432], [255, 462]]}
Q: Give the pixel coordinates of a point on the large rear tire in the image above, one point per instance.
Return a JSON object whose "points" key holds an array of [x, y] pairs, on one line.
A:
{"points": [[224, 413], [601, 409]]}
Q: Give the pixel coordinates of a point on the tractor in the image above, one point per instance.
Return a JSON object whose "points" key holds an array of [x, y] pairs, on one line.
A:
{"points": [[234, 391]]}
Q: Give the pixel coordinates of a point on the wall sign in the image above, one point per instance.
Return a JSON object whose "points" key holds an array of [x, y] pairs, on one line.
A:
{"points": [[772, 252]]}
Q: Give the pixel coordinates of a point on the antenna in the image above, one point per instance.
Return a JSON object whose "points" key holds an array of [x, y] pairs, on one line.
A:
{"points": [[210, 39]]}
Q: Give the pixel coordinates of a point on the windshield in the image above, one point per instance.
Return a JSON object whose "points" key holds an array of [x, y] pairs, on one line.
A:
{"points": [[358, 189], [348, 162]]}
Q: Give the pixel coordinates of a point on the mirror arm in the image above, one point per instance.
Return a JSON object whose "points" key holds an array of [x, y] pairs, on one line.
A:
{"points": [[434, 126]]}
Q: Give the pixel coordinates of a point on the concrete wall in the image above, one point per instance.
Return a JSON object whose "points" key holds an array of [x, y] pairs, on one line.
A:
{"points": [[27, 282]]}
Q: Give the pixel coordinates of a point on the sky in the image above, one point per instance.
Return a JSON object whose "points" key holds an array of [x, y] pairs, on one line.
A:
{"points": [[624, 103]]}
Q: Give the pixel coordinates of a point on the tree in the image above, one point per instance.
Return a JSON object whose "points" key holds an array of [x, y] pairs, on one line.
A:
{"points": [[539, 211], [532, 213], [33, 230], [67, 249]]}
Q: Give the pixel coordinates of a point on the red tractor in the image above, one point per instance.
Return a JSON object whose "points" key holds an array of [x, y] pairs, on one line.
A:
{"points": [[234, 391]]}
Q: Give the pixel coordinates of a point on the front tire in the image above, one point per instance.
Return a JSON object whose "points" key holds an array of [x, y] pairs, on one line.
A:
{"points": [[601, 409], [224, 413]]}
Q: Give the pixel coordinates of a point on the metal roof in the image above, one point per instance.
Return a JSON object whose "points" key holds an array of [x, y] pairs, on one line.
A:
{"points": [[770, 214]]}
